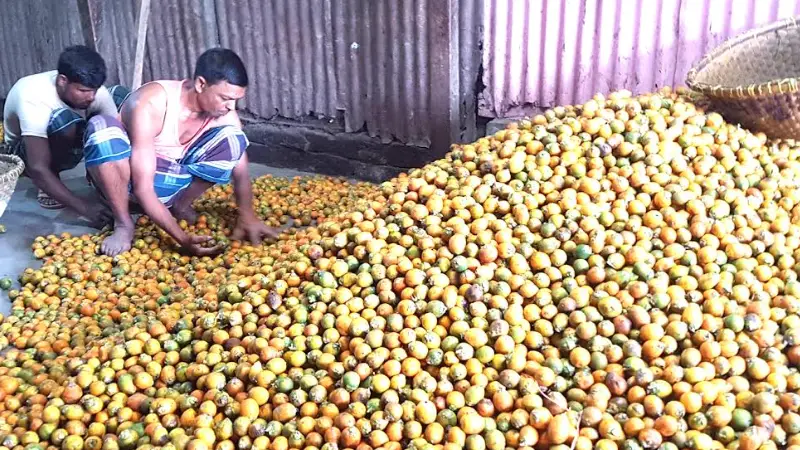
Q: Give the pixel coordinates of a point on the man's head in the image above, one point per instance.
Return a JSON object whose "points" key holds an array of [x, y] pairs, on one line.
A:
{"points": [[81, 71], [220, 79]]}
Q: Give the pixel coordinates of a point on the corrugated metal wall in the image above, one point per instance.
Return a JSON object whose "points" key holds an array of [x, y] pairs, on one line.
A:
{"points": [[404, 70], [384, 65], [376, 62], [288, 48], [540, 53], [33, 33], [178, 31], [115, 38], [470, 35]]}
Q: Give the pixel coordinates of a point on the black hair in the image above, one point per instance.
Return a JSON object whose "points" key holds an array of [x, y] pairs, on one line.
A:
{"points": [[80, 64], [221, 64]]}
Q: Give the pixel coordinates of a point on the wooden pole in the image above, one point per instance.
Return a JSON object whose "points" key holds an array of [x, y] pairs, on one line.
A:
{"points": [[88, 12], [141, 38]]}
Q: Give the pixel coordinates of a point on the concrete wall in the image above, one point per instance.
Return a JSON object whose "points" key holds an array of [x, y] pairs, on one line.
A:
{"points": [[318, 147]]}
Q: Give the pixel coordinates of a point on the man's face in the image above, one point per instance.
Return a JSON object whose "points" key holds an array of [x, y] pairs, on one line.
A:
{"points": [[75, 95], [217, 99]]}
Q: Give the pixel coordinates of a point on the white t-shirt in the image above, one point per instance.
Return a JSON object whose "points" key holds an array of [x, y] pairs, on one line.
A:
{"points": [[32, 100]]}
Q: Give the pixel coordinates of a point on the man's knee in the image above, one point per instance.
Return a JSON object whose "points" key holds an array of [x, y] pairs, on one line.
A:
{"points": [[119, 94], [220, 145], [232, 141], [105, 141], [67, 142], [65, 130], [217, 153], [231, 131], [102, 122], [68, 134]]}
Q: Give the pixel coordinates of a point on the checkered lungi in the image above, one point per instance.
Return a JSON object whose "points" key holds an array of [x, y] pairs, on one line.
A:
{"points": [[60, 120], [212, 157]]}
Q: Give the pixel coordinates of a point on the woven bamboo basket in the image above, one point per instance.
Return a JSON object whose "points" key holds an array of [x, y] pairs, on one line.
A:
{"points": [[754, 78], [11, 167]]}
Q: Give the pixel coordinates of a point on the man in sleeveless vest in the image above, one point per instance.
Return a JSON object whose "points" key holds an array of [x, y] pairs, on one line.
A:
{"points": [[44, 120], [172, 140]]}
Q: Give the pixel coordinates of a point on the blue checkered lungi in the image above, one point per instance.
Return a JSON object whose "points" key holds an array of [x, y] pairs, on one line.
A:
{"points": [[212, 157], [60, 120]]}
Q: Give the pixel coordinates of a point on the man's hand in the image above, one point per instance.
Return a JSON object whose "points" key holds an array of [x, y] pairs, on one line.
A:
{"points": [[143, 116], [37, 167], [97, 213], [193, 244], [248, 226], [254, 230]]}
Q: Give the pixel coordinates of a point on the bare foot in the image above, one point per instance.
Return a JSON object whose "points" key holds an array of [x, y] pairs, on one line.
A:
{"points": [[119, 241], [186, 213]]}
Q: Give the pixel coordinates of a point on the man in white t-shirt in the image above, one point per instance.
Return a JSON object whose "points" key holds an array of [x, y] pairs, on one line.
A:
{"points": [[45, 117]]}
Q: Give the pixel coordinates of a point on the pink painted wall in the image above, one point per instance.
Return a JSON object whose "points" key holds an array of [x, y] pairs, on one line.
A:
{"points": [[541, 53]]}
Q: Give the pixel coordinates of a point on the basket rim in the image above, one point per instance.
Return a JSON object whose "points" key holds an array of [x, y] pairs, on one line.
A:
{"points": [[16, 171], [789, 85]]}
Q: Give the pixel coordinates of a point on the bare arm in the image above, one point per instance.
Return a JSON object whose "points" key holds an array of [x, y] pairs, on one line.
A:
{"points": [[248, 226], [144, 118], [243, 188], [38, 167], [103, 103]]}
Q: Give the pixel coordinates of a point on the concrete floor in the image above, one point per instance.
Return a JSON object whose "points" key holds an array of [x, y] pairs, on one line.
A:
{"points": [[24, 220]]}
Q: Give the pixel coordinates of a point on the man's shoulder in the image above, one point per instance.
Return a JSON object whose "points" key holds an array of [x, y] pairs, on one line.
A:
{"points": [[162, 85], [39, 87], [37, 80], [153, 89], [150, 98], [35, 92]]}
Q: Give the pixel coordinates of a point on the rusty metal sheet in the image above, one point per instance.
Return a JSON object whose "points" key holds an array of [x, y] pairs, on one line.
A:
{"points": [[470, 35], [383, 59], [178, 32], [371, 61], [115, 38], [288, 49], [400, 70]]}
